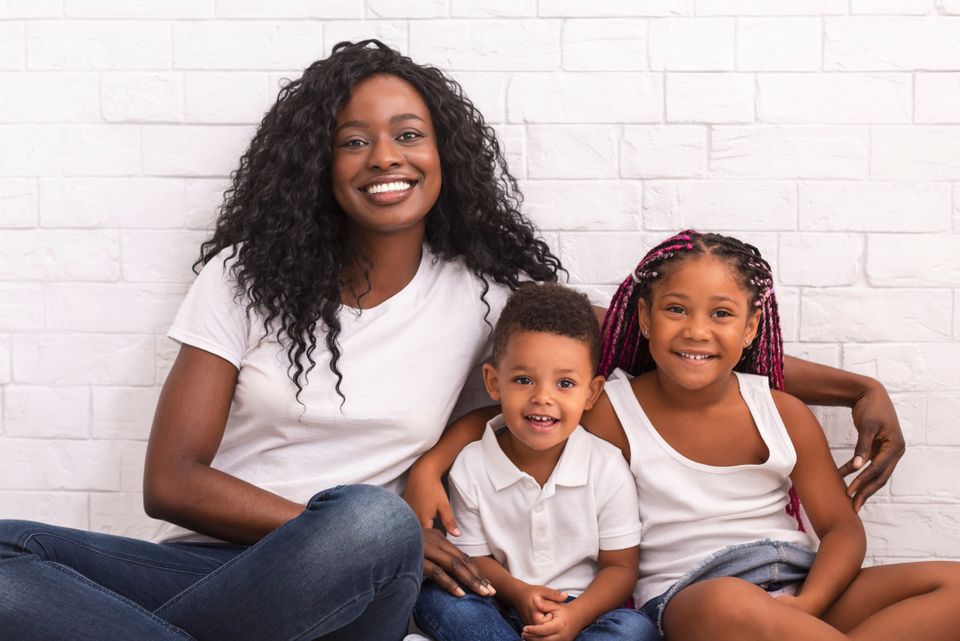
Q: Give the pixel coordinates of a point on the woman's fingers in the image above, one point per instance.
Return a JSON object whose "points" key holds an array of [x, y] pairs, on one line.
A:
{"points": [[453, 564], [435, 573], [446, 517]]}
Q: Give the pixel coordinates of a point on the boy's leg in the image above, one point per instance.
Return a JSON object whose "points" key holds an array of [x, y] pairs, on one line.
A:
{"points": [[729, 609], [903, 601], [468, 618], [622, 624]]}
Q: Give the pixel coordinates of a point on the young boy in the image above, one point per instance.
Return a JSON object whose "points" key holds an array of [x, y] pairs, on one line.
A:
{"points": [[548, 511]]}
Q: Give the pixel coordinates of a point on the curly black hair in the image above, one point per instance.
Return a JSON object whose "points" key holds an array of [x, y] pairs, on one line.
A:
{"points": [[280, 221], [550, 308]]}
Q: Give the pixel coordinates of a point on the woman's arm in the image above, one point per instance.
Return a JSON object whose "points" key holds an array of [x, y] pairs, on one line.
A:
{"points": [[178, 483], [879, 441], [821, 492]]}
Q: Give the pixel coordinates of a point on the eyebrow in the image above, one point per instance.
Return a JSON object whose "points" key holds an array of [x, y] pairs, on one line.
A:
{"points": [[393, 120], [716, 297]]}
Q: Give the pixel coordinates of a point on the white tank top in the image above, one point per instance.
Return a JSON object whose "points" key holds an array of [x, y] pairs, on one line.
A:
{"points": [[689, 510]]}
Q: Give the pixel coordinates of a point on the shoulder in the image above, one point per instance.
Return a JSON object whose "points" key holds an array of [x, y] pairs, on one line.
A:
{"points": [[801, 424]]}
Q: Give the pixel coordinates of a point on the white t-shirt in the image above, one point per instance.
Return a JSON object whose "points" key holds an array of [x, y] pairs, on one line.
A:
{"points": [[552, 535], [690, 510], [404, 363]]}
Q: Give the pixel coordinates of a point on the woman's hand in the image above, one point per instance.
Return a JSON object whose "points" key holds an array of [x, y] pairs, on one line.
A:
{"points": [[879, 442], [444, 563]]}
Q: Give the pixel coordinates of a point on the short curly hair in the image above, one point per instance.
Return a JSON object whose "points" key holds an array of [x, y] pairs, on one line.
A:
{"points": [[550, 308]]}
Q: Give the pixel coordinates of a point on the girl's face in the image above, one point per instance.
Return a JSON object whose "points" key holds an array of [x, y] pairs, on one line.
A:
{"points": [[386, 168], [698, 322]]}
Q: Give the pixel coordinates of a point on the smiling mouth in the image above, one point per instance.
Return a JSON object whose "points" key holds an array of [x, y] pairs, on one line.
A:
{"points": [[388, 188], [694, 357], [541, 422]]}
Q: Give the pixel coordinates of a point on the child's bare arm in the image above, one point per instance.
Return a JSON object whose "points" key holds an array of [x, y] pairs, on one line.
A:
{"points": [[879, 437], [602, 421], [424, 492], [822, 493]]}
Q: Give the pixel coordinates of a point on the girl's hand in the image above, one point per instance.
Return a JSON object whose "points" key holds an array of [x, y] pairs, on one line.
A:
{"points": [[796, 602], [879, 442], [428, 500], [442, 561]]}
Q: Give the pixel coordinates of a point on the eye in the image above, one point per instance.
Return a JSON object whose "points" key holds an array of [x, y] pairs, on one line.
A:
{"points": [[675, 309], [353, 143], [522, 380], [565, 383], [723, 313], [409, 136]]}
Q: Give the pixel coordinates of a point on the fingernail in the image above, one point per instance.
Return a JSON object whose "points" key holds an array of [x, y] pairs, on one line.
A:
{"points": [[857, 461], [460, 592], [455, 531]]}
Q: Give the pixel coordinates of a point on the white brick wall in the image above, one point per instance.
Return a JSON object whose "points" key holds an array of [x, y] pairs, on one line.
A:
{"points": [[824, 131]]}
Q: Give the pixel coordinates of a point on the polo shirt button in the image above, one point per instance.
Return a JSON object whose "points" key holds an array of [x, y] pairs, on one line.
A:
{"points": [[540, 532], [539, 508]]}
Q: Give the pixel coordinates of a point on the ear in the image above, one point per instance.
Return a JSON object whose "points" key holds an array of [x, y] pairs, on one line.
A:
{"points": [[753, 324], [491, 382], [596, 388], [643, 316]]}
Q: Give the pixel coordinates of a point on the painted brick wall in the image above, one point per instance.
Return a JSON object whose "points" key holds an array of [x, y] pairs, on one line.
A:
{"points": [[825, 131]]}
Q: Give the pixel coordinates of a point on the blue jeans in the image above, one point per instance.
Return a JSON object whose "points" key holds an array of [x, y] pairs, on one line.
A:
{"points": [[347, 568], [475, 618], [767, 563]]}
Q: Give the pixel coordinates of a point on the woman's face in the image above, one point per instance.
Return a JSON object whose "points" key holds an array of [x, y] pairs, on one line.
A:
{"points": [[386, 168]]}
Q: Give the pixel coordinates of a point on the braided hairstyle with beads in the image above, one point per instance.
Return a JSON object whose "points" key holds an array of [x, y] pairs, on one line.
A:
{"points": [[624, 347]]}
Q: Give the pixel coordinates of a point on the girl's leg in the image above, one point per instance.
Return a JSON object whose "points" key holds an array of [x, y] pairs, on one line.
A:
{"points": [[60, 583], [904, 601], [468, 618], [347, 568], [729, 609], [622, 624]]}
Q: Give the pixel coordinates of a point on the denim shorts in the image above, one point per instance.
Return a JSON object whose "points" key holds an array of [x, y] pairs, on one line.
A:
{"points": [[771, 565]]}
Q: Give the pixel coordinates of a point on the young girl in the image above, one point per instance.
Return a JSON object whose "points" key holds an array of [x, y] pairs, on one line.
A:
{"points": [[692, 346]]}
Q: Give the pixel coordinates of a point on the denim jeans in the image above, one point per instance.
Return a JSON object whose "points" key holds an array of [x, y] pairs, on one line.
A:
{"points": [[475, 618], [767, 563], [347, 568]]}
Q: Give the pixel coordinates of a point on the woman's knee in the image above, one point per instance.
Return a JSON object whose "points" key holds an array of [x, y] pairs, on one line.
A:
{"points": [[370, 522], [15, 537]]}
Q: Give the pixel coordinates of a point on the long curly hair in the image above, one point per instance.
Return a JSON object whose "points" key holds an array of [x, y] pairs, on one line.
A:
{"points": [[286, 234]]}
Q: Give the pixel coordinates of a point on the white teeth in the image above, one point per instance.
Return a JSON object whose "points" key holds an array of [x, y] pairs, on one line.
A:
{"points": [[542, 419], [695, 357], [383, 188]]}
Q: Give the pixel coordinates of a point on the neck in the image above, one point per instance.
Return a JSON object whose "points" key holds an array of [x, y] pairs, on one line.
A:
{"points": [[683, 399], [537, 463], [390, 262]]}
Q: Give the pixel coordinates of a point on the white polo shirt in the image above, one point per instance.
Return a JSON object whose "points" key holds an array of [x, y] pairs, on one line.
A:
{"points": [[552, 535]]}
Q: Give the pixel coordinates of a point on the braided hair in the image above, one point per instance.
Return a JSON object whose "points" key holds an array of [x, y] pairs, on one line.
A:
{"points": [[623, 346]]}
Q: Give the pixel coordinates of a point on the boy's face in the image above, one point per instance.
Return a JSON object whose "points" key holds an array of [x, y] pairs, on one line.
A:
{"points": [[544, 382]]}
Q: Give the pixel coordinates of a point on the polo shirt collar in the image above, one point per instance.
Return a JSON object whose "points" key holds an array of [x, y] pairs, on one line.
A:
{"points": [[571, 469]]}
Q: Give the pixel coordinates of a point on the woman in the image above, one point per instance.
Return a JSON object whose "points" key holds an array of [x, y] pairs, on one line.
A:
{"points": [[367, 243]]}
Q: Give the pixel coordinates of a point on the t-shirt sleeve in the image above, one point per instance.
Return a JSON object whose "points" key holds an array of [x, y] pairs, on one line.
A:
{"points": [[212, 317], [466, 511], [619, 518]]}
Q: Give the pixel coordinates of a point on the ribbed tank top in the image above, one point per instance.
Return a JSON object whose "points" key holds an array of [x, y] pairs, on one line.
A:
{"points": [[689, 510]]}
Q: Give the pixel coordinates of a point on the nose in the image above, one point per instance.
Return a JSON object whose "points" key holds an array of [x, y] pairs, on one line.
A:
{"points": [[541, 394], [696, 328], [384, 154]]}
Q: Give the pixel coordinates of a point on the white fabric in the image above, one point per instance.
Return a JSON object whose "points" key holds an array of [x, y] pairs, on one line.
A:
{"points": [[403, 362], [688, 509], [545, 536]]}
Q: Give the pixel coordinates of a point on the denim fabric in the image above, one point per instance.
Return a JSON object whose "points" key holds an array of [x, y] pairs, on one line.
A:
{"points": [[475, 618], [765, 563], [347, 568]]}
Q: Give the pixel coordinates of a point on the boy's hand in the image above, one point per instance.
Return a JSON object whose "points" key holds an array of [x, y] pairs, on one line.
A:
{"points": [[534, 603], [558, 625]]}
